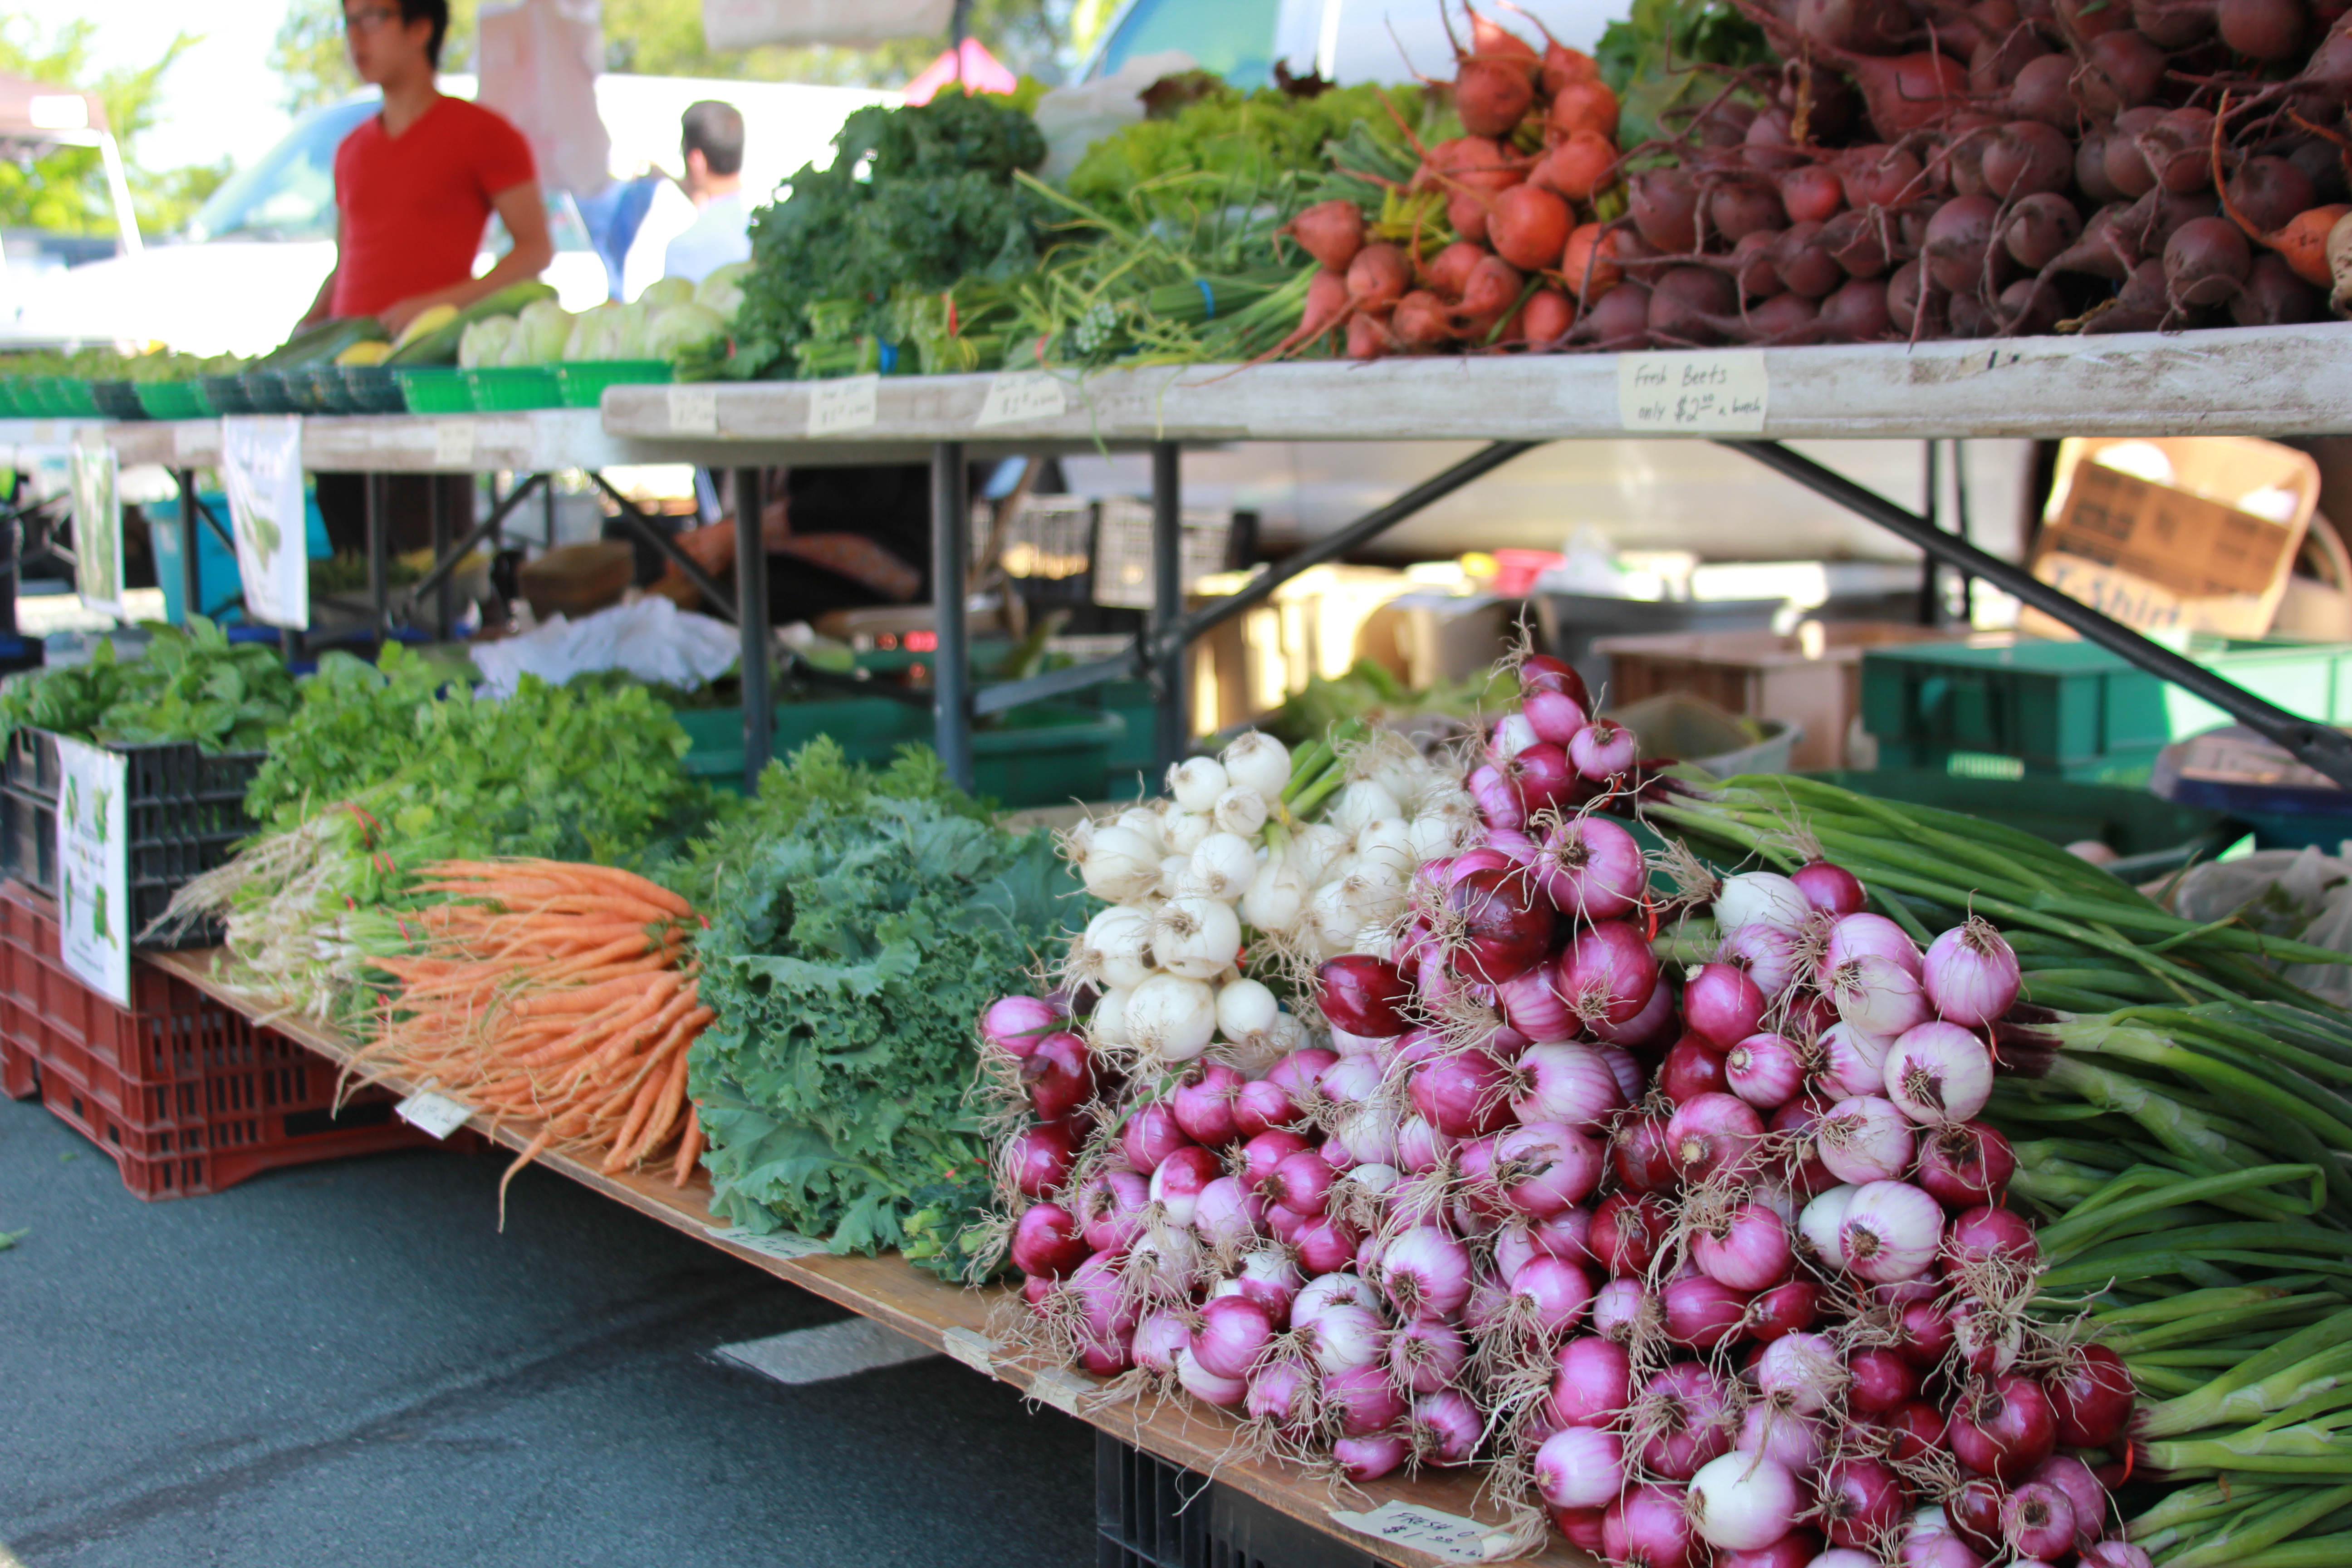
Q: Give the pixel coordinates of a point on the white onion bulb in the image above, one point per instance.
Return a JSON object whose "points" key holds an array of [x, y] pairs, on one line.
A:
{"points": [[1259, 761], [1170, 1018], [1196, 783]]}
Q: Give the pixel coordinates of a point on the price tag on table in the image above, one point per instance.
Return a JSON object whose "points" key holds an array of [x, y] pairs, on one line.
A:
{"points": [[436, 1115], [453, 444], [852, 402], [1059, 1389], [1446, 1535], [694, 411], [1017, 397], [782, 1244], [1711, 394], [972, 1348]]}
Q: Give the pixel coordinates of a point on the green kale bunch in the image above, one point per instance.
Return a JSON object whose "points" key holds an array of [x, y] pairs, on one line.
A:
{"points": [[921, 195], [847, 967]]}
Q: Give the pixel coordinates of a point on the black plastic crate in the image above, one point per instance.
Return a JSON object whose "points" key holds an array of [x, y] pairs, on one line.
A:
{"points": [[185, 810], [1152, 1514]]}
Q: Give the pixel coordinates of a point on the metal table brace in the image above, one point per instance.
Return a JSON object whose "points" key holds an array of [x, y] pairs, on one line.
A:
{"points": [[1159, 653]]}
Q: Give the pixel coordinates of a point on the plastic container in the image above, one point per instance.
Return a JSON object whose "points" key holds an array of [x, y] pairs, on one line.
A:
{"points": [[1811, 677], [224, 581], [1039, 754], [2152, 835], [582, 384], [1573, 622], [506, 389], [117, 399], [270, 393], [374, 388], [186, 814], [2023, 707], [434, 389], [169, 399], [226, 394], [2288, 805], [10, 406], [1150, 1513], [71, 397], [185, 1095]]}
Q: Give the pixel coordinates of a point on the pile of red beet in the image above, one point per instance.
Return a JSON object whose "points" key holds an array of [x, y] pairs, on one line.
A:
{"points": [[1910, 169]]}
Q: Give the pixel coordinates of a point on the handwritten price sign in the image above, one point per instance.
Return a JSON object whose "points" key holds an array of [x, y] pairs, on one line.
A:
{"points": [[1724, 394]]}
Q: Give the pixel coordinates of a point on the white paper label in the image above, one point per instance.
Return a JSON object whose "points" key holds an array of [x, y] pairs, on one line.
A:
{"points": [[453, 444], [853, 403], [1446, 1535], [782, 1244], [261, 468], [1017, 397], [193, 440], [1718, 393], [972, 1348], [97, 529], [94, 866], [694, 410], [436, 1114], [1059, 1389]]}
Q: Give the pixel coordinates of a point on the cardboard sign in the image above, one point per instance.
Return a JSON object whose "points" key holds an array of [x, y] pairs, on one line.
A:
{"points": [[1018, 396], [1446, 1535], [94, 866], [2161, 556], [261, 468], [851, 402], [97, 529], [1722, 393]]}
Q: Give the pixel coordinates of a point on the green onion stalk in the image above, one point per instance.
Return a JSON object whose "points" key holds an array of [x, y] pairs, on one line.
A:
{"points": [[2181, 1118]]}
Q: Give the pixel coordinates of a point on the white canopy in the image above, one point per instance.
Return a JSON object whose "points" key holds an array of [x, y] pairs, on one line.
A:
{"points": [[852, 23]]}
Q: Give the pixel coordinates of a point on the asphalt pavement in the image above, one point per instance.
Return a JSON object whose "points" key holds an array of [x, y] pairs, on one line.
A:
{"points": [[348, 1363]]}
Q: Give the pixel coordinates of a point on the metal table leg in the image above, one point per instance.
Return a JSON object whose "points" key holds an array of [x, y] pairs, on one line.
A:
{"points": [[192, 596], [379, 554], [1172, 713], [2327, 749], [445, 595], [1931, 571], [951, 669], [751, 622]]}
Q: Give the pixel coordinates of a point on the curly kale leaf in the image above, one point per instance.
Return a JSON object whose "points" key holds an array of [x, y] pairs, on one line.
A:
{"points": [[846, 971]]}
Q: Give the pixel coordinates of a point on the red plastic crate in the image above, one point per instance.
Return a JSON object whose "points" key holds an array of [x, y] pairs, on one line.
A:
{"points": [[186, 1095]]}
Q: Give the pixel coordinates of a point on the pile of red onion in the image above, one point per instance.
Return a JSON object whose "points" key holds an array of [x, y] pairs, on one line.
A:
{"points": [[1718, 1273]]}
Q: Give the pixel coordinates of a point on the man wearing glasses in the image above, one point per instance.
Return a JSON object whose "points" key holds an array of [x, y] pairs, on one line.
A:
{"points": [[415, 187]]}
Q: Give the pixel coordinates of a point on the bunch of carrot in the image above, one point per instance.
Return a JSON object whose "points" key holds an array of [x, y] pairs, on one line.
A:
{"points": [[556, 992]]}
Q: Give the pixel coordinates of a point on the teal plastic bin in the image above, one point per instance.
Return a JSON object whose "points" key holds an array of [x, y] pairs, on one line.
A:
{"points": [[1041, 754], [217, 576], [2072, 711]]}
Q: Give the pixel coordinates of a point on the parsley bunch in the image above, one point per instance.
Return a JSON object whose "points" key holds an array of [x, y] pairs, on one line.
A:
{"points": [[592, 773]]}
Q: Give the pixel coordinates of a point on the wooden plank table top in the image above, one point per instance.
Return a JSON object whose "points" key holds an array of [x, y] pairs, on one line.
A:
{"points": [[953, 1320]]}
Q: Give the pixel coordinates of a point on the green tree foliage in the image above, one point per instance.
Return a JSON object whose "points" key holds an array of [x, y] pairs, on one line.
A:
{"points": [[65, 190]]}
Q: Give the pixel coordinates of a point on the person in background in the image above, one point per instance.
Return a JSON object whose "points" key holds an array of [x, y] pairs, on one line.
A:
{"points": [[415, 189], [702, 223], [415, 185]]}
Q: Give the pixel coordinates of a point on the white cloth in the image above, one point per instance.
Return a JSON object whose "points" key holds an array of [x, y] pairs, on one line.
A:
{"points": [[651, 639], [669, 214], [721, 232]]}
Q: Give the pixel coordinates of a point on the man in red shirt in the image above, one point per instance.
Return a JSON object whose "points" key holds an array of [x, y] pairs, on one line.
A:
{"points": [[415, 186]]}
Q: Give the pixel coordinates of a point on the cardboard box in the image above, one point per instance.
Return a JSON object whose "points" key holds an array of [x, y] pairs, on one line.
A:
{"points": [[1811, 677], [2177, 557]]}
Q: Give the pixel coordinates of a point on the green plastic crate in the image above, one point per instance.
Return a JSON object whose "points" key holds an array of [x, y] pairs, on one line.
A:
{"points": [[374, 388], [507, 389], [270, 393], [1041, 754], [169, 399], [582, 384], [2151, 835], [225, 394], [2072, 711], [10, 407], [70, 397], [436, 389]]}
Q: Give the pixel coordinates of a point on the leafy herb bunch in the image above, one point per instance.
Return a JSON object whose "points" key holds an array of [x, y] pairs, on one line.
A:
{"points": [[920, 196], [190, 685]]}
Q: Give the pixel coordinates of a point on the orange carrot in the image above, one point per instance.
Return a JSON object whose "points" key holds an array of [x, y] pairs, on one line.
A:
{"points": [[689, 1148]]}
